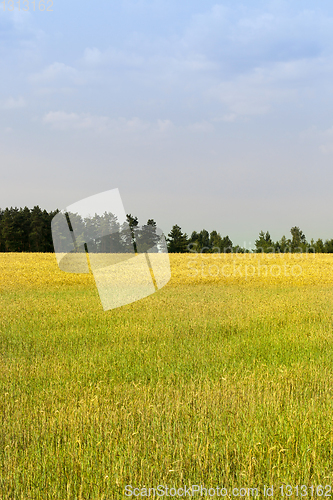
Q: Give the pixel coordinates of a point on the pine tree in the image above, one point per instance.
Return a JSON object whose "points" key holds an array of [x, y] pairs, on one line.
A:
{"points": [[146, 236], [37, 236], [298, 240], [177, 240], [264, 243], [11, 230], [2, 241]]}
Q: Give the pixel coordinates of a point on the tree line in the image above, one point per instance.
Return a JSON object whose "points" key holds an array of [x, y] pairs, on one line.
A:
{"points": [[103, 234], [205, 242], [26, 230], [29, 230]]}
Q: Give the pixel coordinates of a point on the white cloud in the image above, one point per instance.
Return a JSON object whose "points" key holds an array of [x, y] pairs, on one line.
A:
{"points": [[113, 56], [203, 126], [318, 139], [243, 37], [76, 121], [92, 56], [134, 124], [231, 117], [12, 103], [56, 72], [84, 121], [245, 59], [245, 95], [164, 125], [21, 41], [326, 146], [258, 91]]}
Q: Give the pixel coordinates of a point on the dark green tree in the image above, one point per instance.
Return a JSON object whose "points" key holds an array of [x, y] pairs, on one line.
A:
{"points": [[133, 222], [318, 246], [177, 240], [203, 242], [110, 227], [226, 245], [48, 216], [200, 242], [298, 240], [192, 245], [283, 245], [25, 222], [38, 230], [219, 244], [2, 240], [11, 230], [264, 243], [328, 245], [146, 236]]}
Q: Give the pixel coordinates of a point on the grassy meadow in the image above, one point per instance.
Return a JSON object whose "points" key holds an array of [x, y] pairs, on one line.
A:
{"points": [[222, 378]]}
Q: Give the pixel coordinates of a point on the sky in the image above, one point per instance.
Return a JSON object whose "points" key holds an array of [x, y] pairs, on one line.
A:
{"points": [[206, 114]]}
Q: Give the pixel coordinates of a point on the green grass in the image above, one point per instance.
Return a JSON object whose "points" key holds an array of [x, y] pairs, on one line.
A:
{"points": [[206, 384]]}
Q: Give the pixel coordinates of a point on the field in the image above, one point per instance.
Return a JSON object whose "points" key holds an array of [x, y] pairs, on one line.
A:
{"points": [[222, 378]]}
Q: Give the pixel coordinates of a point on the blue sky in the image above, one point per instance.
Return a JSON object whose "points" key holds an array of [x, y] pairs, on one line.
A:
{"points": [[215, 115]]}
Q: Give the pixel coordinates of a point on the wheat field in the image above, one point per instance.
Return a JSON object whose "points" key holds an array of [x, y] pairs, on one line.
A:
{"points": [[222, 378]]}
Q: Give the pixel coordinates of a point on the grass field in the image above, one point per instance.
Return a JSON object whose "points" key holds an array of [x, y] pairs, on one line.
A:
{"points": [[222, 378]]}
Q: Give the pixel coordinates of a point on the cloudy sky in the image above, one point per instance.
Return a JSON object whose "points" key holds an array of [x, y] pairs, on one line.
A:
{"points": [[208, 114]]}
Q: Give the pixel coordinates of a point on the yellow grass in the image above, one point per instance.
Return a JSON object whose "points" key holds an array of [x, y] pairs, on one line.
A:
{"points": [[41, 270], [215, 380]]}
